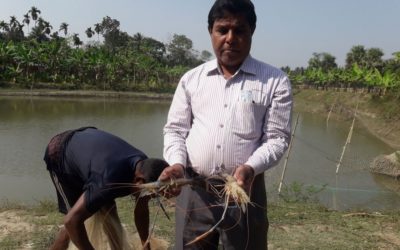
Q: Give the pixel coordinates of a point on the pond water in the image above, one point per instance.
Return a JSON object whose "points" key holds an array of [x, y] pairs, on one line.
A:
{"points": [[28, 123]]}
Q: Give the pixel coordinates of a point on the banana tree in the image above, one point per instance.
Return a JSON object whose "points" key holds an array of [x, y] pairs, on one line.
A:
{"points": [[384, 81]]}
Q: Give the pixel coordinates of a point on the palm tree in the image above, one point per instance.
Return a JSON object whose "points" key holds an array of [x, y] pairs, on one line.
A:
{"points": [[64, 27], [42, 30], [13, 22], [98, 29], [34, 13], [138, 39], [89, 32], [4, 26], [47, 27], [15, 33], [55, 35], [27, 20], [77, 41], [40, 24]]}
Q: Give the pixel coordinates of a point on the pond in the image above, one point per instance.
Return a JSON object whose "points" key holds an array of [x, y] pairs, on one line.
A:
{"points": [[28, 123]]}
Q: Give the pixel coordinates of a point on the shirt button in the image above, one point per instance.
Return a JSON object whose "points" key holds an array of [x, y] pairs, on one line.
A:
{"points": [[221, 125], [225, 105], [218, 146]]}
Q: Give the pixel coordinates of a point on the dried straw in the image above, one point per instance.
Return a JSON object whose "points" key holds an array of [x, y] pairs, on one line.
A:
{"points": [[102, 224]]}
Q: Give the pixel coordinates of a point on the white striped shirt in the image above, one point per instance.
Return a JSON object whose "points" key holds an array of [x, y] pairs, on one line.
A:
{"points": [[214, 125]]}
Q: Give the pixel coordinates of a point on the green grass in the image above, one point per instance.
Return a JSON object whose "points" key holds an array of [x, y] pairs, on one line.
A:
{"points": [[293, 225], [305, 226]]}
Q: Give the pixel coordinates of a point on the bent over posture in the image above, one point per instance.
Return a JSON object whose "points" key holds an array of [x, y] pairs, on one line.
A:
{"points": [[90, 168]]}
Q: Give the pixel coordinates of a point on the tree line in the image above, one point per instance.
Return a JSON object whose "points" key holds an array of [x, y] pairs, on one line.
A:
{"points": [[35, 54], [364, 70]]}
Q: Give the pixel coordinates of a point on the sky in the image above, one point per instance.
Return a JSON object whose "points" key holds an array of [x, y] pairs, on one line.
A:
{"points": [[288, 31]]}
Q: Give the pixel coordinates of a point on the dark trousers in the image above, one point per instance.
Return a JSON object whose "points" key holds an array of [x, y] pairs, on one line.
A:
{"points": [[197, 210]]}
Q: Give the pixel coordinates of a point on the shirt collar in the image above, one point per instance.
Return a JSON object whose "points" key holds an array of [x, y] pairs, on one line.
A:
{"points": [[247, 66]]}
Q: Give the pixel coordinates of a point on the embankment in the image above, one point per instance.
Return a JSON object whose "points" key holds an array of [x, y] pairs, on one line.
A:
{"points": [[379, 114]]}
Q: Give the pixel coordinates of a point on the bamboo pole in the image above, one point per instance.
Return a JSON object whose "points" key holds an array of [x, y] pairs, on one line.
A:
{"points": [[330, 111], [348, 140], [287, 155]]}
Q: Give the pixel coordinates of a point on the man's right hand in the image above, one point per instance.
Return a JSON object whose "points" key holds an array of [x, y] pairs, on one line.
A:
{"points": [[175, 171]]}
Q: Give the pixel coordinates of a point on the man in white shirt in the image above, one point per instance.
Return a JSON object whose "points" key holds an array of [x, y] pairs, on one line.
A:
{"points": [[229, 115]]}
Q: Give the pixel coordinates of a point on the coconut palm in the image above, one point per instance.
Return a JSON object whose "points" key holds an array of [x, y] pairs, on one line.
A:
{"points": [[47, 27], [137, 40], [98, 29], [34, 13], [55, 35], [89, 32], [15, 32], [4, 26], [64, 27], [76, 40], [27, 20], [41, 30], [13, 22]]}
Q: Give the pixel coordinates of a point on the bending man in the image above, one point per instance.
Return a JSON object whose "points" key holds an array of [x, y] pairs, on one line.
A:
{"points": [[90, 168]]}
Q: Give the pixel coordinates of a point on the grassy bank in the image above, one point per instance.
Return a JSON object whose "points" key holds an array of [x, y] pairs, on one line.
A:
{"points": [[292, 226], [84, 93], [379, 114]]}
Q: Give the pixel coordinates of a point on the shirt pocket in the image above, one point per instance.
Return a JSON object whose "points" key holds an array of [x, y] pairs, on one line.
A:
{"points": [[248, 120]]}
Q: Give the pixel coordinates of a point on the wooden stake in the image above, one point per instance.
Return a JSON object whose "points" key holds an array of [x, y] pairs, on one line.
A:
{"points": [[347, 141], [330, 111], [287, 155]]}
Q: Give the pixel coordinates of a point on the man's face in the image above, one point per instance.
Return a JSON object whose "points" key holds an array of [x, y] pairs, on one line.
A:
{"points": [[231, 40]]}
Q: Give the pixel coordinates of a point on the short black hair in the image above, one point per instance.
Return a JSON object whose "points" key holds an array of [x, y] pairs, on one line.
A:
{"points": [[151, 168], [220, 7]]}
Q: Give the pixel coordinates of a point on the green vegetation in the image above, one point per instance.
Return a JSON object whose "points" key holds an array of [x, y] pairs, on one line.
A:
{"points": [[44, 57], [293, 225], [31, 227], [34, 54], [310, 226], [365, 71]]}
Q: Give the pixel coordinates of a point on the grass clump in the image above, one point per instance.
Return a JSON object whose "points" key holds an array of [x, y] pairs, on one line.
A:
{"points": [[310, 226], [11, 242]]}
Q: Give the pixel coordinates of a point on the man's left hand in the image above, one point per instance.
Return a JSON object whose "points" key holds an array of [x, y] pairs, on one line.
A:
{"points": [[244, 176]]}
